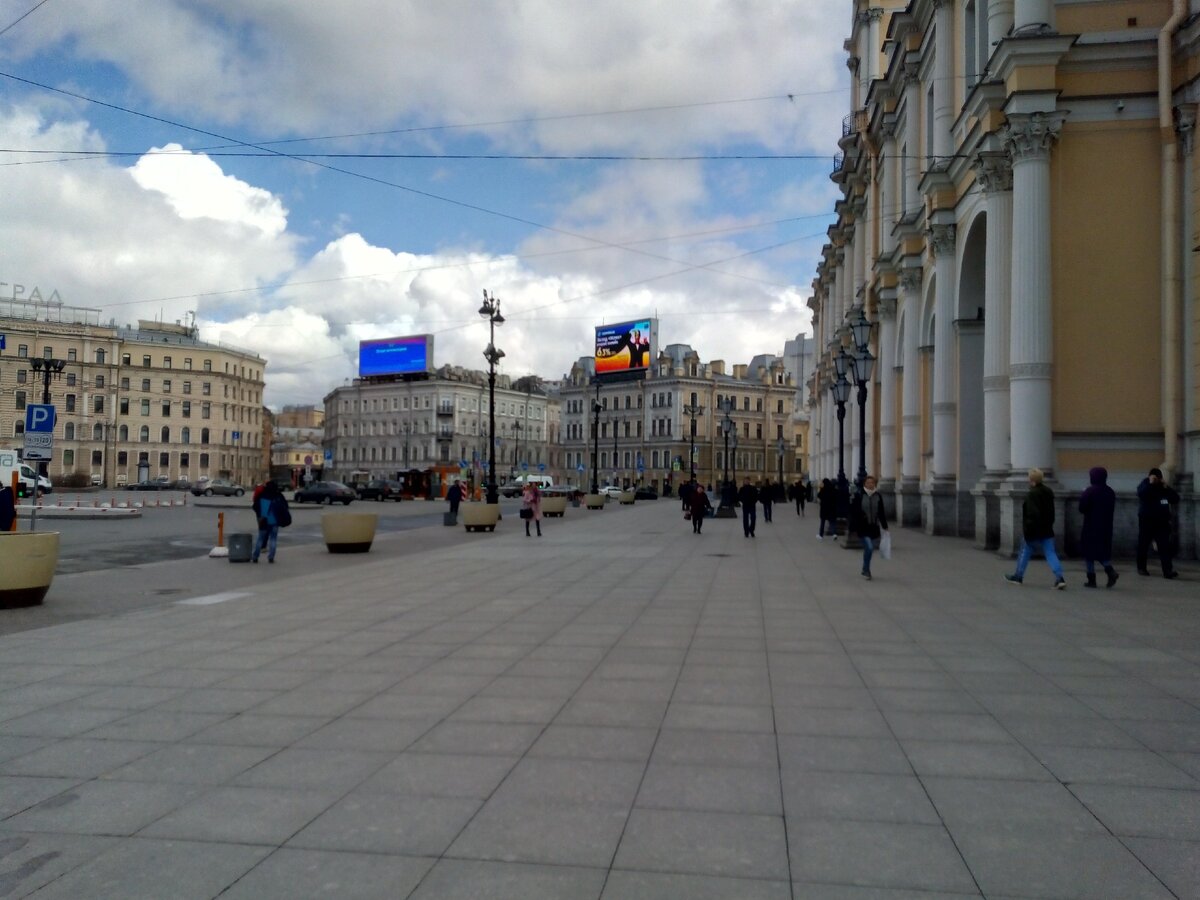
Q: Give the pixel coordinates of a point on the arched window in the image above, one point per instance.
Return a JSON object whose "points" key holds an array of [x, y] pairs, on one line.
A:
{"points": [[123, 433], [165, 437], [69, 431], [97, 432], [100, 357], [185, 436], [144, 435], [203, 435]]}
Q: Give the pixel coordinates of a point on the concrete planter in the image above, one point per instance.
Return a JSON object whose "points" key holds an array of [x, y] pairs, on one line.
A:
{"points": [[349, 532], [595, 501], [554, 507], [480, 516], [627, 498], [28, 560]]}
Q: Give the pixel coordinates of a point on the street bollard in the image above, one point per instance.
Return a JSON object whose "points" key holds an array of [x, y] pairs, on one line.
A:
{"points": [[221, 529], [15, 480]]}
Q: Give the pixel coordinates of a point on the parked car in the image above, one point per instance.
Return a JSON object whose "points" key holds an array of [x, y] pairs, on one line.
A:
{"points": [[646, 493], [611, 491], [325, 492], [222, 486], [152, 485], [44, 485], [380, 489], [97, 479]]}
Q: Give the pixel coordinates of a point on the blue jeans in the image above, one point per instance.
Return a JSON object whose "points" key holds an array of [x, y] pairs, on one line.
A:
{"points": [[1046, 545], [868, 551], [749, 518], [267, 537], [832, 527]]}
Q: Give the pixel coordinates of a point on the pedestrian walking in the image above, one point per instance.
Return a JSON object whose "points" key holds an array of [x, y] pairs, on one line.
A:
{"points": [[685, 494], [767, 496], [531, 508], [454, 497], [1037, 523], [827, 504], [272, 511], [799, 493], [871, 519], [700, 506], [1155, 499], [748, 497], [1098, 503]]}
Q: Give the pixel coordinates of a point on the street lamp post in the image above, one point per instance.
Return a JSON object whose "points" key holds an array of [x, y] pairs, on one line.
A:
{"points": [[50, 369], [863, 364], [841, 393], [692, 410], [727, 426], [491, 311], [596, 441], [616, 424], [517, 456], [780, 446], [733, 444]]}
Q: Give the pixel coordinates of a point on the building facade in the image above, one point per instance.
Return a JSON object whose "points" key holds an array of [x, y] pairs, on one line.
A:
{"points": [[646, 433], [132, 403], [381, 429], [1018, 223]]}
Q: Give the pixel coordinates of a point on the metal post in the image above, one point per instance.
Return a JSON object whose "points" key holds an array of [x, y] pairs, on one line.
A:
{"points": [[491, 310], [616, 423], [596, 441], [861, 475]]}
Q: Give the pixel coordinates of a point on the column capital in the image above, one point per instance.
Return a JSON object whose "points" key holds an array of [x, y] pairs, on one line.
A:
{"points": [[1031, 135], [852, 63], [1185, 126], [912, 74], [885, 308], [993, 171], [874, 14], [940, 239], [887, 127], [911, 278]]}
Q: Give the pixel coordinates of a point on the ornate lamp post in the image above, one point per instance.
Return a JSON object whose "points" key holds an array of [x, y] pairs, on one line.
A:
{"points": [[733, 442], [517, 456], [616, 424], [863, 365], [780, 446], [596, 440], [693, 410], [491, 311], [840, 388], [725, 508]]}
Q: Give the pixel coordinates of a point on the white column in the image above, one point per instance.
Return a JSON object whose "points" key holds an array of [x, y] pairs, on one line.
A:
{"points": [[1032, 13], [943, 85], [1029, 137], [993, 172], [942, 243], [862, 237], [886, 367], [912, 141], [889, 196], [910, 297], [1000, 18], [874, 15]]}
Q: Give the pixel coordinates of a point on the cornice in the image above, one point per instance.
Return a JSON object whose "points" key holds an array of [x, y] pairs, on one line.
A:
{"points": [[1029, 50]]}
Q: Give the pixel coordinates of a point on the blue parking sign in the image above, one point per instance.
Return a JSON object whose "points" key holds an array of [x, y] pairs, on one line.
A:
{"points": [[39, 418]]}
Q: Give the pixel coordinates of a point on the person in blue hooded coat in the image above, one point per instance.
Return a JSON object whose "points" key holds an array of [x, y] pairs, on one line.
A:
{"points": [[1098, 504]]}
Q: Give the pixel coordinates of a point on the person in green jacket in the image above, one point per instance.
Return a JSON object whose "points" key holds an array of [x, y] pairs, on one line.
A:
{"points": [[1037, 521]]}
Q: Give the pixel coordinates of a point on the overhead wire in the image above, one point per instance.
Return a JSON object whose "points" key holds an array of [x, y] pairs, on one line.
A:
{"points": [[19, 19]]}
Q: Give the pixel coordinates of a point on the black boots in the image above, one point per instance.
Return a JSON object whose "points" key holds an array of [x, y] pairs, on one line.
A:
{"points": [[1112, 575], [1091, 580]]}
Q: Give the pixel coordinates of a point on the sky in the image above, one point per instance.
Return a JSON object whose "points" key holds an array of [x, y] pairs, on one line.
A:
{"points": [[301, 175]]}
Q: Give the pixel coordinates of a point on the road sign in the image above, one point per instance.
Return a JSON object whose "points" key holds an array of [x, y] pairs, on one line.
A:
{"points": [[579, 468], [39, 445], [308, 459], [237, 436], [39, 418], [462, 463], [329, 457], [541, 467], [1, 342], [524, 467]]}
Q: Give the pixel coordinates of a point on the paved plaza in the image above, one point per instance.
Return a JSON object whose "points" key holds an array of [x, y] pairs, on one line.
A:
{"points": [[619, 709]]}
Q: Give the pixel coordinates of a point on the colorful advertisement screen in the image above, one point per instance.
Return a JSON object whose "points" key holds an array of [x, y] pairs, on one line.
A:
{"points": [[395, 356], [624, 347]]}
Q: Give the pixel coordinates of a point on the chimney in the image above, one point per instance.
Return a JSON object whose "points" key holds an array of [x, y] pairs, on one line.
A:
{"points": [[717, 366], [739, 371]]}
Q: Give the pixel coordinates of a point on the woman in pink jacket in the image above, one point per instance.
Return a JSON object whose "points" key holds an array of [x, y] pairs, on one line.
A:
{"points": [[531, 508]]}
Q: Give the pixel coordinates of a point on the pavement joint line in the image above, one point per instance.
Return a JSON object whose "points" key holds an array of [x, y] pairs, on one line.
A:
{"points": [[210, 599]]}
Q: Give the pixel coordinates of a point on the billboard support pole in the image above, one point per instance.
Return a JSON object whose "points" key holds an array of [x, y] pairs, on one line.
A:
{"points": [[596, 440]]}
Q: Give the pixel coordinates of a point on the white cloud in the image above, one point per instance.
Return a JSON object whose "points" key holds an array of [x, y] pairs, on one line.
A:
{"points": [[196, 188]]}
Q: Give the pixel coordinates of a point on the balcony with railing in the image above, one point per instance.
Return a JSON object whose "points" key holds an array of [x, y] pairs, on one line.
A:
{"points": [[445, 408]]}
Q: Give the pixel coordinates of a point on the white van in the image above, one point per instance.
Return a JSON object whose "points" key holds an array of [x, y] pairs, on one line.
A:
{"points": [[516, 487], [27, 477]]}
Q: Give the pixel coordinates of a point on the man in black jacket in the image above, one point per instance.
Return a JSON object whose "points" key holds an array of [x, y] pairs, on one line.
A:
{"points": [[748, 497], [1155, 498], [1037, 520]]}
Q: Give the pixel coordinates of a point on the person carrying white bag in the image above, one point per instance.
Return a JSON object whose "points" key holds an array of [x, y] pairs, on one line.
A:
{"points": [[872, 524]]}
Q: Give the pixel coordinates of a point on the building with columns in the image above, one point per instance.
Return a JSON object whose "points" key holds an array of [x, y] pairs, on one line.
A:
{"points": [[1018, 224]]}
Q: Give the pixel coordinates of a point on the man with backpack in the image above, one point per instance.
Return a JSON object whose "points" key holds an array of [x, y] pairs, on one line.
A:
{"points": [[271, 508]]}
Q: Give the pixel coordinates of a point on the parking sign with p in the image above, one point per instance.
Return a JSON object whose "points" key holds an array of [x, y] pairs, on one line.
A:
{"points": [[39, 418]]}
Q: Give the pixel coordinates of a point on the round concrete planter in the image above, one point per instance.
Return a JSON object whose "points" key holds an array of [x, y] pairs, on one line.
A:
{"points": [[627, 498], [28, 560], [595, 501], [349, 532], [480, 516], [554, 507]]}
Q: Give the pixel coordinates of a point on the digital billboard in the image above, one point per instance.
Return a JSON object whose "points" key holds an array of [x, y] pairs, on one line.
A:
{"points": [[625, 346], [395, 355]]}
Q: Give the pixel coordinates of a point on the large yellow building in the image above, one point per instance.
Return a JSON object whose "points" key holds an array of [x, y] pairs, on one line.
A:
{"points": [[133, 403], [1018, 223]]}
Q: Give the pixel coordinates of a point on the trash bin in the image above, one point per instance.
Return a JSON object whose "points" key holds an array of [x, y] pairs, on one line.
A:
{"points": [[450, 519], [241, 547]]}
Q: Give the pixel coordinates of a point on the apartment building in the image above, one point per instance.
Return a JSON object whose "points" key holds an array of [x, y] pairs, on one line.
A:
{"points": [[133, 402]]}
